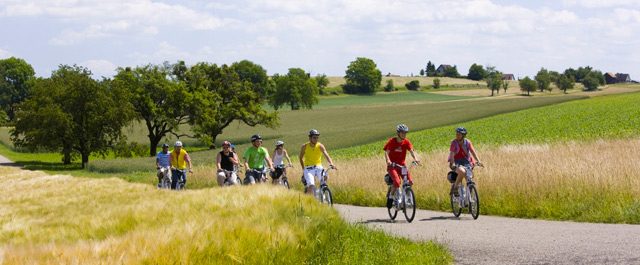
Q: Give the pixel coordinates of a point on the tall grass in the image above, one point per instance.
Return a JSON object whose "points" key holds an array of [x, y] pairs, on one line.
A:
{"points": [[64, 220], [595, 181]]}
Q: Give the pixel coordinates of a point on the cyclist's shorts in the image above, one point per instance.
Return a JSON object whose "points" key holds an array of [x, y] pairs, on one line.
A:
{"points": [[466, 164], [253, 176], [277, 173], [310, 173]]}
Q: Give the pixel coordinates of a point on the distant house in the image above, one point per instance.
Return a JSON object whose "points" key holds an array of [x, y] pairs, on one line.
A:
{"points": [[617, 78], [508, 77], [610, 78], [623, 78], [442, 68], [392, 75]]}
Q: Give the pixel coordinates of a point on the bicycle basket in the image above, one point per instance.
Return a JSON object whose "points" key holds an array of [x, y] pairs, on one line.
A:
{"points": [[451, 176], [387, 179]]}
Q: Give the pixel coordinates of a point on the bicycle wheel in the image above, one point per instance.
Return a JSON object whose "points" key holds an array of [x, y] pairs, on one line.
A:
{"points": [[393, 211], [455, 208], [238, 180], [474, 203], [409, 208], [326, 196], [285, 183], [165, 184]]}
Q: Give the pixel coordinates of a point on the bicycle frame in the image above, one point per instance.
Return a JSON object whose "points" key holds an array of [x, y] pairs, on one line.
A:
{"points": [[165, 182], [281, 180], [318, 190], [401, 201]]}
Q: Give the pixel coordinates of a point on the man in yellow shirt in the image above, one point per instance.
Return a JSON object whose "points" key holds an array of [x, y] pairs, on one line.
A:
{"points": [[311, 159], [178, 160]]}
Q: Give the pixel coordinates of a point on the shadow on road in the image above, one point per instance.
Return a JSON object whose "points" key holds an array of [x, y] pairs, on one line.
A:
{"points": [[372, 221], [436, 218]]}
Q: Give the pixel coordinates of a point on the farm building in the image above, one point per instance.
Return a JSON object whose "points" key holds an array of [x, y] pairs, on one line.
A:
{"points": [[617, 78], [508, 77], [442, 68]]}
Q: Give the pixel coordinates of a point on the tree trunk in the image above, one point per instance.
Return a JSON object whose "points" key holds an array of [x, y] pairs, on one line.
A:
{"points": [[153, 145], [85, 159]]}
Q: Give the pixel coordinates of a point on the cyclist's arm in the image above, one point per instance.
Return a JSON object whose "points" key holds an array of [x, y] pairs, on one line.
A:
{"points": [[186, 158], [413, 154], [157, 163], [246, 163], [473, 153], [269, 162], [219, 159], [236, 160], [451, 160], [287, 156], [304, 146], [171, 161], [386, 157], [326, 155]]}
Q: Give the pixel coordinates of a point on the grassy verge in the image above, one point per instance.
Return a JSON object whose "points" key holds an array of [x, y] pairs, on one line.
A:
{"points": [[592, 181], [62, 220]]}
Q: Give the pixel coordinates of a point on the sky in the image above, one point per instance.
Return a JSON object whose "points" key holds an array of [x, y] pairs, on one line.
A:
{"points": [[324, 36]]}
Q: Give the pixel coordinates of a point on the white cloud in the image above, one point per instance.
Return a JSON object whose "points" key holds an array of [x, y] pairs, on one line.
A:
{"points": [[100, 68], [600, 3], [267, 41]]}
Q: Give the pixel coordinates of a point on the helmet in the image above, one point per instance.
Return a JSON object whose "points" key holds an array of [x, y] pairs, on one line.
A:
{"points": [[402, 128], [461, 130], [177, 143], [226, 143], [233, 146], [279, 143], [165, 145], [255, 137], [314, 132]]}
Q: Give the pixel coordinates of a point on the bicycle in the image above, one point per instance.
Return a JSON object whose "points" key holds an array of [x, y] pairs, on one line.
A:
{"points": [[262, 172], [405, 200], [322, 191], [181, 181], [283, 180], [165, 182], [228, 174], [468, 196]]}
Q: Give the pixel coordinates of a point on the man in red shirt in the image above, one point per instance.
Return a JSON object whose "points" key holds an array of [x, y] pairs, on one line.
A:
{"points": [[395, 151]]}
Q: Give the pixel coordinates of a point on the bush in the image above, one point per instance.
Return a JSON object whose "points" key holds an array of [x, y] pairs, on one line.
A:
{"points": [[389, 86], [436, 83], [413, 85]]}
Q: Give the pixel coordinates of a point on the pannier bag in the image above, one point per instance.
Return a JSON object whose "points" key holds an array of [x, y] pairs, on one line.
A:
{"points": [[451, 176], [387, 179]]}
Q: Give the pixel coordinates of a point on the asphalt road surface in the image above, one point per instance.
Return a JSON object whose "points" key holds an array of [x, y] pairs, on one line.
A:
{"points": [[500, 240]]}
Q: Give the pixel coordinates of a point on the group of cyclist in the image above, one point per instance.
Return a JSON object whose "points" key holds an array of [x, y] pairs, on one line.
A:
{"points": [[256, 159]]}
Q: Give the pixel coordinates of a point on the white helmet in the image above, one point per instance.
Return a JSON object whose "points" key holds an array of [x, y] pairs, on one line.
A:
{"points": [[177, 143], [279, 143], [402, 128]]}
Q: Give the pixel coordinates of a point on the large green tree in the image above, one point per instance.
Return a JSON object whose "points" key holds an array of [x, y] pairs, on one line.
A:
{"points": [[565, 82], [73, 114], [493, 79], [295, 89], [222, 98], [543, 78], [363, 77], [528, 85], [16, 78], [431, 69], [256, 75], [451, 72], [476, 72], [159, 101]]}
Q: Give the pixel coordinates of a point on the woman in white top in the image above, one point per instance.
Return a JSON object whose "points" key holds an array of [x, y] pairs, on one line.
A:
{"points": [[278, 156]]}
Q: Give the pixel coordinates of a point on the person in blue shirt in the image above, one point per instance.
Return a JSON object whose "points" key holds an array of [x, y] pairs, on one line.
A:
{"points": [[162, 163]]}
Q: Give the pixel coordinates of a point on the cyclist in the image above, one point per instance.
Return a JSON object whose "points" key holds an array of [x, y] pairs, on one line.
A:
{"points": [[253, 159], [162, 163], [395, 151], [311, 159], [227, 161], [459, 157], [278, 156], [179, 160]]}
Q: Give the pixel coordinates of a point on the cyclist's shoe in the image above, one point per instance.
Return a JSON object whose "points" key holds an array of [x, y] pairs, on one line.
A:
{"points": [[159, 185], [389, 203], [454, 191]]}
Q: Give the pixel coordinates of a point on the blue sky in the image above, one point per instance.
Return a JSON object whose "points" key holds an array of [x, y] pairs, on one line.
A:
{"points": [[324, 36]]}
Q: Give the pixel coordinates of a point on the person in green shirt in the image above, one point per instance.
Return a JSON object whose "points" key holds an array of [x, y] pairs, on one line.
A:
{"points": [[253, 161]]}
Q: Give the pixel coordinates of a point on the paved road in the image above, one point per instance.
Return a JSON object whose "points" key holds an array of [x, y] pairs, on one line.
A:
{"points": [[7, 163], [500, 240]]}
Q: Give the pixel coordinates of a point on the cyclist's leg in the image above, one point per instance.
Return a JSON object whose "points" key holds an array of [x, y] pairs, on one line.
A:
{"points": [[250, 177], [309, 177], [394, 174], [174, 178], [221, 177]]}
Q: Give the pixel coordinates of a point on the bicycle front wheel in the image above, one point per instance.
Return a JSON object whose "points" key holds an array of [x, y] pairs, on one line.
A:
{"points": [[409, 208], [285, 183], [474, 203], [166, 183], [455, 207], [393, 211], [327, 197]]}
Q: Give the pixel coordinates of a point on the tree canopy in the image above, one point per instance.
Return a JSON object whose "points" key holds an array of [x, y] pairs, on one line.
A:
{"points": [[16, 79], [451, 72], [160, 102], [528, 85], [363, 77], [220, 97], [477, 72], [543, 78], [295, 89], [565, 82], [73, 114]]}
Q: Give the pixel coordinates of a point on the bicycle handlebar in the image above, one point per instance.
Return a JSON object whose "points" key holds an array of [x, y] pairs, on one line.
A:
{"points": [[414, 163]]}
